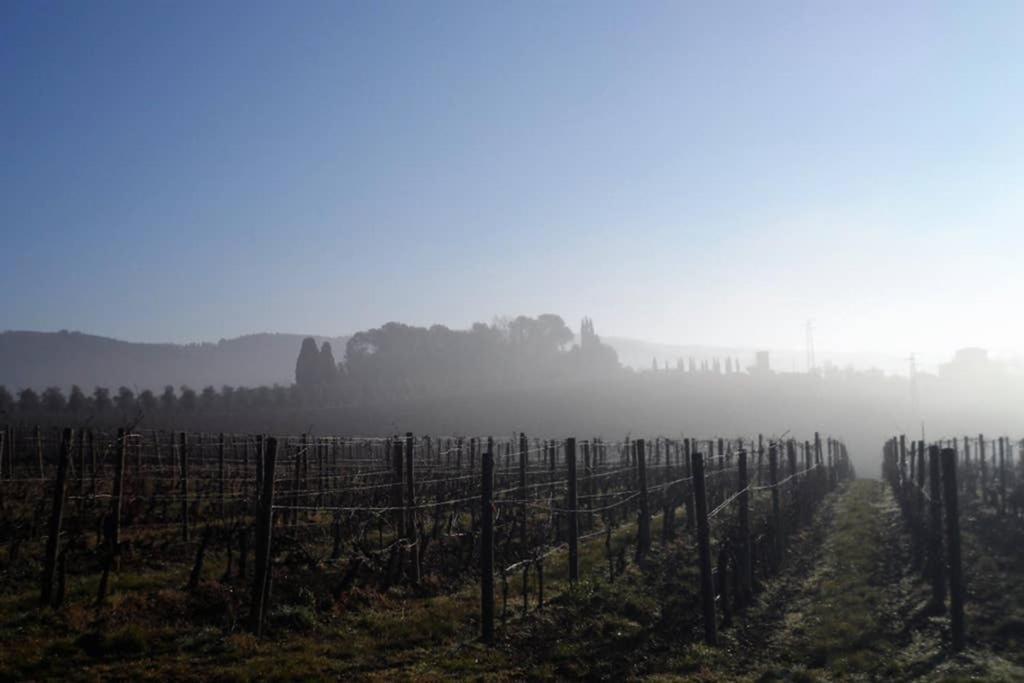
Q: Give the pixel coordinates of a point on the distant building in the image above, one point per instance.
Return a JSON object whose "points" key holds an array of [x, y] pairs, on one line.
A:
{"points": [[762, 364], [969, 363]]}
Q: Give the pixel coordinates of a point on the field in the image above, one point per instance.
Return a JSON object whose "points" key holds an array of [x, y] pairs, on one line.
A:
{"points": [[369, 577]]}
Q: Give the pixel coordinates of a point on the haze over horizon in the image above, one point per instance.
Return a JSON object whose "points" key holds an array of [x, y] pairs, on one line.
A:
{"points": [[692, 175]]}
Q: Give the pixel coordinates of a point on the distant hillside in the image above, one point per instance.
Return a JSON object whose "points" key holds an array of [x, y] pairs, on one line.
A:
{"points": [[41, 359]]}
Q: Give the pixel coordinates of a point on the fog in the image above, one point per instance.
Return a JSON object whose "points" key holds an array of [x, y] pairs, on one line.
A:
{"points": [[524, 374]]}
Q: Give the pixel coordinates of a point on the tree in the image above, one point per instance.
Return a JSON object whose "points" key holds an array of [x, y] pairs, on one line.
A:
{"points": [[148, 402], [328, 367], [28, 401], [241, 398], [261, 397], [188, 399], [125, 401], [595, 357], [168, 399], [78, 403], [53, 400], [6, 400], [208, 399], [101, 400], [307, 366], [227, 397]]}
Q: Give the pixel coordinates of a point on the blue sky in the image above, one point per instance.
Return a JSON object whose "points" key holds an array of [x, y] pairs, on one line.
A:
{"points": [[680, 172]]}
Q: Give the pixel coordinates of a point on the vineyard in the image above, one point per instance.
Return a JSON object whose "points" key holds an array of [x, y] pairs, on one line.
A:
{"points": [[962, 502], [268, 535]]}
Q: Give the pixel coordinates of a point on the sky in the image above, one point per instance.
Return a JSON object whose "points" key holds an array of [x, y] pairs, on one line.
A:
{"points": [[681, 172]]}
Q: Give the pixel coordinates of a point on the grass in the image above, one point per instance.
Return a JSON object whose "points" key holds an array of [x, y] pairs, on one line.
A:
{"points": [[150, 627], [844, 608]]}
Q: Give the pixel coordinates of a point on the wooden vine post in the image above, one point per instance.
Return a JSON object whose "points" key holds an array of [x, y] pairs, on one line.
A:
{"points": [[773, 478], [397, 481], [794, 486], [643, 541], [1002, 476], [956, 577], [745, 556], [56, 517], [220, 471], [81, 463], [707, 584], [183, 453], [410, 508], [573, 520], [688, 454], [39, 452], [936, 569], [984, 468], [524, 449], [114, 532], [919, 501], [264, 529], [487, 548]]}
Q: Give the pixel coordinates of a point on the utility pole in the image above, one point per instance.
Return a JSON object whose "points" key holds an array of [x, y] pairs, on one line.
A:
{"points": [[809, 340], [915, 405]]}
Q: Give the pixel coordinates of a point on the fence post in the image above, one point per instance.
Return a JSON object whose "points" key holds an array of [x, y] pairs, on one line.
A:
{"points": [[956, 580], [984, 468], [397, 481], [707, 586], [571, 503], [487, 547], [220, 471], [264, 529], [56, 517], [773, 477], [115, 522], [919, 526], [819, 461], [39, 451], [760, 459], [410, 510], [524, 448], [183, 447], [688, 454], [794, 487], [1002, 476], [260, 449], [138, 456], [643, 541], [746, 565], [12, 438], [935, 530], [81, 464], [668, 501]]}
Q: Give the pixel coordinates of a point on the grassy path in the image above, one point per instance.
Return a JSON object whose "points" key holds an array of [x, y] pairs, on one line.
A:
{"points": [[844, 618], [850, 608]]}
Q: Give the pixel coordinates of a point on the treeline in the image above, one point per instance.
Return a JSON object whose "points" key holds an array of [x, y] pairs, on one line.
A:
{"points": [[400, 362], [125, 403], [392, 363]]}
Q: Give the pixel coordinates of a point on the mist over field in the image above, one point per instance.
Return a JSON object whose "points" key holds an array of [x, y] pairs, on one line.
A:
{"points": [[566, 340], [533, 375]]}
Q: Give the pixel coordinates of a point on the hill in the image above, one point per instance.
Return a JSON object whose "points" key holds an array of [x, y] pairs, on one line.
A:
{"points": [[40, 359]]}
